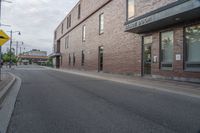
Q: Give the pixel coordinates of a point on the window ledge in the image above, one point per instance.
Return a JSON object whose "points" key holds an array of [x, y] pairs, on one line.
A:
{"points": [[191, 70], [166, 69]]}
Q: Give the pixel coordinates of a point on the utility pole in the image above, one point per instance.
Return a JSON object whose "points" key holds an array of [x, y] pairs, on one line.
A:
{"points": [[11, 32], [11, 41], [20, 50], [17, 48], [18, 44], [0, 46]]}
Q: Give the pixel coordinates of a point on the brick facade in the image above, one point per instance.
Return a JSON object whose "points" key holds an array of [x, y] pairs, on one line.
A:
{"points": [[122, 50]]}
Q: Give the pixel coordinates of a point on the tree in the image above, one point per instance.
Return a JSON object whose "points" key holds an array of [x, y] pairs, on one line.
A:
{"points": [[6, 57], [49, 62]]}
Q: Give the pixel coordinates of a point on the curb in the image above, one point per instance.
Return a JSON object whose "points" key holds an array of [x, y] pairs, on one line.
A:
{"points": [[6, 89], [8, 104], [152, 87]]}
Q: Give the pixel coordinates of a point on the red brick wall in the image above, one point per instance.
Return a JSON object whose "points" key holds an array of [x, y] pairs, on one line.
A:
{"points": [[145, 6], [118, 45], [122, 50]]}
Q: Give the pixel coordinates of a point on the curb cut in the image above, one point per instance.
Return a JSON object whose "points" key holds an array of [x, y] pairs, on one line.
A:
{"points": [[6, 89]]}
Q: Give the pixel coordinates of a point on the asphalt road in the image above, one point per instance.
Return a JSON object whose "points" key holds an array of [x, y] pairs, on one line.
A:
{"points": [[55, 102]]}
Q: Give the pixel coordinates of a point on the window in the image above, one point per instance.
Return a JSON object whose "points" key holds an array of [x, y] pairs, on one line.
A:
{"points": [[69, 60], [55, 35], [192, 37], [79, 11], [62, 28], [83, 33], [69, 21], [167, 53], [131, 8], [67, 42], [74, 59], [101, 23], [83, 58], [148, 40]]}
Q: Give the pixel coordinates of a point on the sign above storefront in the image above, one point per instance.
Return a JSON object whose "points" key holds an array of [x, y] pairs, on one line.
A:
{"points": [[140, 22]]}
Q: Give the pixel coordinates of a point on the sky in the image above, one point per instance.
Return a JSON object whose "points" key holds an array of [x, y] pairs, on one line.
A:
{"points": [[36, 20]]}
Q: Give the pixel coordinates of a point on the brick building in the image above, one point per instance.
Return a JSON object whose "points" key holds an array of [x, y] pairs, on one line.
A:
{"points": [[154, 38]]}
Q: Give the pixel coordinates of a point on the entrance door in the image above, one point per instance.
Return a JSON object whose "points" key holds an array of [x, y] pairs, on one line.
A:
{"points": [[58, 62], [147, 42], [100, 67]]}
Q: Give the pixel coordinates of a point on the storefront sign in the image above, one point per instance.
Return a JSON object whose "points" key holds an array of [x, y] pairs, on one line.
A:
{"points": [[140, 22]]}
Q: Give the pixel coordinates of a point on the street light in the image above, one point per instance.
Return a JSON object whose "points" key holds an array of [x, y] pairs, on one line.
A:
{"points": [[11, 34], [0, 26], [17, 46]]}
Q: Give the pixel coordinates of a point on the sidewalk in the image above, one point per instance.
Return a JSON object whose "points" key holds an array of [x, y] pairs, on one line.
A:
{"points": [[5, 78], [5, 84], [177, 87], [10, 92]]}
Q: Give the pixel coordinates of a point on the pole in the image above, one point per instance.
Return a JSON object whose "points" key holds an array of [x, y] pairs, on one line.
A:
{"points": [[0, 63], [20, 50], [0, 11], [16, 48], [0, 46], [10, 48]]}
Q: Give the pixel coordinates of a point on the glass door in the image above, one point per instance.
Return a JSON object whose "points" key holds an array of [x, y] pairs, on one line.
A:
{"points": [[100, 67]]}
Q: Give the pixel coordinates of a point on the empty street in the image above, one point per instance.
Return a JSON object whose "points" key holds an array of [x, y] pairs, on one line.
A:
{"points": [[56, 102]]}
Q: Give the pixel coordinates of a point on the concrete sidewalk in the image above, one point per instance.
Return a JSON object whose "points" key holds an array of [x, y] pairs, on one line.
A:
{"points": [[177, 87], [7, 81], [8, 102], [5, 78]]}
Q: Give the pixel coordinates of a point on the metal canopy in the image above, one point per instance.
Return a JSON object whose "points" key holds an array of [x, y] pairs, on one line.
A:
{"points": [[55, 55], [177, 12]]}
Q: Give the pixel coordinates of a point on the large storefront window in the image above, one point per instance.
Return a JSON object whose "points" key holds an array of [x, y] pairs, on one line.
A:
{"points": [[131, 8], [192, 35], [167, 53]]}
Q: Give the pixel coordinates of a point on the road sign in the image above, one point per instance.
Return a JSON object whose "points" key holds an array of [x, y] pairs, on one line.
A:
{"points": [[3, 37]]}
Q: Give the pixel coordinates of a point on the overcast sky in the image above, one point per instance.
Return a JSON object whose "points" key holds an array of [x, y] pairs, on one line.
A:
{"points": [[36, 19]]}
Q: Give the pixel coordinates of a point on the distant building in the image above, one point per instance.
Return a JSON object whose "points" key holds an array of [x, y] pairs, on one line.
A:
{"points": [[34, 56], [36, 52]]}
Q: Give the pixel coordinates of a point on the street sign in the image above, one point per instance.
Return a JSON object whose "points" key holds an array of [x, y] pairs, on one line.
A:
{"points": [[3, 37]]}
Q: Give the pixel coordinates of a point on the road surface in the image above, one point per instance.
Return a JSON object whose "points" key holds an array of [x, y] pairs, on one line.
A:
{"points": [[56, 102]]}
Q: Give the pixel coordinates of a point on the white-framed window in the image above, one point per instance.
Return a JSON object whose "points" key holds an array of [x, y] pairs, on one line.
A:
{"points": [[101, 23], [130, 8]]}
